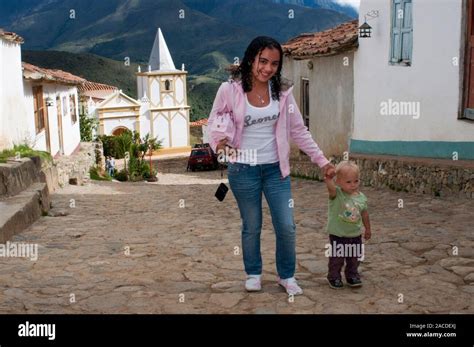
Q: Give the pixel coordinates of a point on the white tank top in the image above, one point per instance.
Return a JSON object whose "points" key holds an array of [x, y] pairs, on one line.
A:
{"points": [[258, 144]]}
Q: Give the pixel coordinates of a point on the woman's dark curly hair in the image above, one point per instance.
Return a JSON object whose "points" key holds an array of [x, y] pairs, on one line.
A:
{"points": [[253, 51]]}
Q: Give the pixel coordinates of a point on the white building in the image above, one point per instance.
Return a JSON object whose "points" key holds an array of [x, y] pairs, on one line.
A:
{"points": [[38, 107], [13, 115], [51, 101], [321, 66], [92, 94], [412, 80], [162, 91], [118, 113]]}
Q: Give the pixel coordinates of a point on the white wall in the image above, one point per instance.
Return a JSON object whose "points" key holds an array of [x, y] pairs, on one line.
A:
{"points": [[179, 130], [71, 131], [13, 114], [113, 123], [432, 80]]}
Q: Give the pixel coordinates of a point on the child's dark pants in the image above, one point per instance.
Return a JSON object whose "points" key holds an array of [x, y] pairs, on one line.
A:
{"points": [[352, 262]]}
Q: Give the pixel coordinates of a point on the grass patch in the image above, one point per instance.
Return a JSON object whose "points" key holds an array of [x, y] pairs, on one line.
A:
{"points": [[95, 175], [23, 151]]}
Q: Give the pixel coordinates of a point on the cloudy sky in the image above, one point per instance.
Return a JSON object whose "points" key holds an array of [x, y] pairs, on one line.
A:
{"points": [[354, 3]]}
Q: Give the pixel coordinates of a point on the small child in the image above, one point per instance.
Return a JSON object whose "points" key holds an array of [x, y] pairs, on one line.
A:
{"points": [[347, 213]]}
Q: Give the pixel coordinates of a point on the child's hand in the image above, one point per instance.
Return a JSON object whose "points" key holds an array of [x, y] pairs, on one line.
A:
{"points": [[367, 234], [329, 171], [327, 178]]}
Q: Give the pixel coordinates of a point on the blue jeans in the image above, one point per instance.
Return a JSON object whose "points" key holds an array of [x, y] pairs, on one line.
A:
{"points": [[247, 183]]}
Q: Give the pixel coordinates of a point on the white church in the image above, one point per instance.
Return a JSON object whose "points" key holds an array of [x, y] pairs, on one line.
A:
{"points": [[161, 109]]}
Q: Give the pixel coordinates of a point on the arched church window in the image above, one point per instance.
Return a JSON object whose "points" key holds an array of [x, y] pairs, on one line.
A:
{"points": [[167, 85]]}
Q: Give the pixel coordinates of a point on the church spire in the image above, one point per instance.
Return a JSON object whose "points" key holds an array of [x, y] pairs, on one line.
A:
{"points": [[160, 58]]}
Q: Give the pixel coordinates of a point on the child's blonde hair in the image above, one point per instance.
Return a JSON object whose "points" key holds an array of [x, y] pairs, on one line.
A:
{"points": [[345, 165]]}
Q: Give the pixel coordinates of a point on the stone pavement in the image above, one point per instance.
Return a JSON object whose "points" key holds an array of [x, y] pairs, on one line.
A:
{"points": [[172, 247]]}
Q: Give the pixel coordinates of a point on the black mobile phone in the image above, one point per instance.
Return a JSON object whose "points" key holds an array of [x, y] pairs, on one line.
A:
{"points": [[221, 192]]}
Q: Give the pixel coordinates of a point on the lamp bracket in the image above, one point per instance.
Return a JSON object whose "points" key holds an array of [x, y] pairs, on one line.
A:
{"points": [[371, 15]]}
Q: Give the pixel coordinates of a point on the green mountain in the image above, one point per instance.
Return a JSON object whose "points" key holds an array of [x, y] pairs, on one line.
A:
{"points": [[88, 66], [327, 4], [126, 28]]}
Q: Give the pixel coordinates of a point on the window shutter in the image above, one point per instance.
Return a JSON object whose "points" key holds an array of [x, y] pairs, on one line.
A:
{"points": [[402, 32], [407, 31], [396, 44]]}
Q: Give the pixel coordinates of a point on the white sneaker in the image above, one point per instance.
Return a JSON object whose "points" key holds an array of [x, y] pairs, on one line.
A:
{"points": [[291, 286], [253, 283]]}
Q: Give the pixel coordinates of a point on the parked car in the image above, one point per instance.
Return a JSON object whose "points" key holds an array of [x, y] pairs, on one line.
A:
{"points": [[202, 158]]}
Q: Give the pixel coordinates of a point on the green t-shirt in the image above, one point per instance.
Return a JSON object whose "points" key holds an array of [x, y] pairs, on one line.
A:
{"points": [[344, 218]]}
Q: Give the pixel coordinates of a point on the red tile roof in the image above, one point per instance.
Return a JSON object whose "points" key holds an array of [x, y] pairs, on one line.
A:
{"points": [[198, 123], [35, 73], [326, 43], [10, 36], [91, 86], [97, 91]]}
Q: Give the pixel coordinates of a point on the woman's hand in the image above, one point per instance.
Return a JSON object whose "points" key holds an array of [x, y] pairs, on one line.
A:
{"points": [[221, 145], [329, 170]]}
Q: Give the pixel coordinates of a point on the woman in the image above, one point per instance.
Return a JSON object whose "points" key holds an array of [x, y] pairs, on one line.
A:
{"points": [[265, 117]]}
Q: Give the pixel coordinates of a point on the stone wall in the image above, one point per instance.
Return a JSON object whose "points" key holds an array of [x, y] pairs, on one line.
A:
{"points": [[415, 175], [73, 169]]}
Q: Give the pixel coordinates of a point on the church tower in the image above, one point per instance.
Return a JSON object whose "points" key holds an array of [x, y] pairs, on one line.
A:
{"points": [[162, 91]]}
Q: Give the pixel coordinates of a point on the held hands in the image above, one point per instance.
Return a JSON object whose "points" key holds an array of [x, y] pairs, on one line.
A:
{"points": [[329, 171]]}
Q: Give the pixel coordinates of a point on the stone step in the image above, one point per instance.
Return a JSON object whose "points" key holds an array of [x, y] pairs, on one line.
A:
{"points": [[20, 211], [18, 175]]}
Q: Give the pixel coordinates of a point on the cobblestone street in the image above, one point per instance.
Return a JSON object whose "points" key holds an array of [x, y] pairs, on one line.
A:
{"points": [[171, 247]]}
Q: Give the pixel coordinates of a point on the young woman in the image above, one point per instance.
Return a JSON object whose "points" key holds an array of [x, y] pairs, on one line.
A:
{"points": [[265, 117]]}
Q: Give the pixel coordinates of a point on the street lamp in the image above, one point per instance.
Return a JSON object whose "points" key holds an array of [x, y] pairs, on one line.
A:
{"points": [[365, 30]]}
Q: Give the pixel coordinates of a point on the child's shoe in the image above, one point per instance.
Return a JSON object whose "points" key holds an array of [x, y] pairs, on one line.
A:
{"points": [[354, 282], [335, 284], [291, 286], [253, 283]]}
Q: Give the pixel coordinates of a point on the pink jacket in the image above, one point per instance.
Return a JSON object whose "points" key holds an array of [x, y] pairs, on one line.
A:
{"points": [[289, 124]]}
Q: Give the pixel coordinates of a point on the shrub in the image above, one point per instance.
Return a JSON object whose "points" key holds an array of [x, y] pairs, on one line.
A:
{"points": [[121, 176], [109, 145]]}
